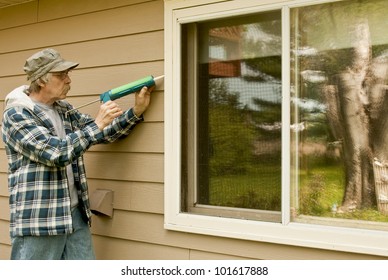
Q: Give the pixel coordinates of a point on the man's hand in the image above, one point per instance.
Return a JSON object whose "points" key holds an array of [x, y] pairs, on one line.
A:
{"points": [[142, 101], [107, 113]]}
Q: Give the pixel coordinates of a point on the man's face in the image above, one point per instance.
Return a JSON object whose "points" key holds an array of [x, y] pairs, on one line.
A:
{"points": [[57, 86]]}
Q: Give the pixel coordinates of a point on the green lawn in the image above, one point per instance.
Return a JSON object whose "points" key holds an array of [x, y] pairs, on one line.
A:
{"points": [[256, 190], [320, 188]]}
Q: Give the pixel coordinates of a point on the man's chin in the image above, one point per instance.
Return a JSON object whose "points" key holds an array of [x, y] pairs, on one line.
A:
{"points": [[65, 92]]}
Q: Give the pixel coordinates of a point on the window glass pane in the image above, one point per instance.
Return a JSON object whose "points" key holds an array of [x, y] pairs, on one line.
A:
{"points": [[339, 116], [231, 96]]}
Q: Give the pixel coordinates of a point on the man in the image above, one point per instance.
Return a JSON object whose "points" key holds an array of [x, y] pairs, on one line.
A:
{"points": [[45, 143]]}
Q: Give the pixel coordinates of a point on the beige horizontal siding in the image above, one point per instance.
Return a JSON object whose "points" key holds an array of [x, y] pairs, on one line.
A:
{"points": [[5, 241], [3, 162], [68, 8], [132, 62], [92, 26], [148, 138], [120, 249], [5, 251], [4, 209], [1, 114], [128, 49], [131, 196], [202, 255], [3, 181], [125, 166], [4, 233], [19, 15]]}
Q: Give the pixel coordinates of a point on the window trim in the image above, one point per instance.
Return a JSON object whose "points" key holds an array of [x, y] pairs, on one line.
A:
{"points": [[288, 233]]}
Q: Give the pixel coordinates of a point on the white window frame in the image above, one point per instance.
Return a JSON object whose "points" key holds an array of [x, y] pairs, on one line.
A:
{"points": [[287, 232]]}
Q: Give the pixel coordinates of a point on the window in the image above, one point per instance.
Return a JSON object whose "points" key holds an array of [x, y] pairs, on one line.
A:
{"points": [[339, 77], [275, 122], [231, 119]]}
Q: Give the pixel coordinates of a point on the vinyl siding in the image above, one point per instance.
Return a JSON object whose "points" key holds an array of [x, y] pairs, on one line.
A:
{"points": [[117, 42]]}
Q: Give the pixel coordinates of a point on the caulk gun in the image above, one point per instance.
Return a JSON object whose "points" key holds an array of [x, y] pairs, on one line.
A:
{"points": [[123, 90]]}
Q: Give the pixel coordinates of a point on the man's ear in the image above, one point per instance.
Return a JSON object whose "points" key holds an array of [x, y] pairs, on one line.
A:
{"points": [[41, 83]]}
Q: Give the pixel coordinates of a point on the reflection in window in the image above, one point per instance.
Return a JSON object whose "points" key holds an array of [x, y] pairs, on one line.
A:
{"points": [[231, 152], [339, 77]]}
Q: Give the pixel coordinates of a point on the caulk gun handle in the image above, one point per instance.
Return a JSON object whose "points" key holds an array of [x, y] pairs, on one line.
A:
{"points": [[105, 97]]}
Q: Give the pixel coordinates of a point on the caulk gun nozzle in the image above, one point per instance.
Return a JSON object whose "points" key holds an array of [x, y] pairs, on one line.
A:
{"points": [[158, 79]]}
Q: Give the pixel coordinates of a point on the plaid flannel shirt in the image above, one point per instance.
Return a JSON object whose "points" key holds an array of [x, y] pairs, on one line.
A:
{"points": [[37, 159]]}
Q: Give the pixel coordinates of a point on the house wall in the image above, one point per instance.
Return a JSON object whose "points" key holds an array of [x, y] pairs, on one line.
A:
{"points": [[117, 42]]}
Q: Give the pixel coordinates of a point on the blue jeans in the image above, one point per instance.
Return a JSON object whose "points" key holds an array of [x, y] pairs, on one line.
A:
{"points": [[75, 246]]}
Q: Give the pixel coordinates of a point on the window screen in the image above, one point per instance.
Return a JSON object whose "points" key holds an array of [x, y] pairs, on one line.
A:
{"points": [[231, 117]]}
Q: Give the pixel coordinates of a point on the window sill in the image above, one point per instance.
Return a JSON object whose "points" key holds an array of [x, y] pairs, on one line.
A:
{"points": [[325, 237], [346, 223]]}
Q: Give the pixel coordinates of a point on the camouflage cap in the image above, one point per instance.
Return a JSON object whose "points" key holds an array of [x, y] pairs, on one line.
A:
{"points": [[45, 61]]}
